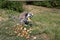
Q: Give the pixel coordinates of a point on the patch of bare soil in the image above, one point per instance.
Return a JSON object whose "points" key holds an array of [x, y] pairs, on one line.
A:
{"points": [[38, 9], [44, 36], [40, 37], [3, 19]]}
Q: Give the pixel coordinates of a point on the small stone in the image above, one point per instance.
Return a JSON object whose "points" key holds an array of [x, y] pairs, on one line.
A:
{"points": [[21, 35], [25, 29], [28, 30], [17, 23], [18, 34], [34, 37], [21, 28], [28, 37]]}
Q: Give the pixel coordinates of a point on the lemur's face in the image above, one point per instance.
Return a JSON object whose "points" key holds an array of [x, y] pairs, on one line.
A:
{"points": [[30, 15]]}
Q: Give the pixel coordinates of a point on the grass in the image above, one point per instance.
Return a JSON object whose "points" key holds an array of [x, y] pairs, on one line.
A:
{"points": [[47, 25]]}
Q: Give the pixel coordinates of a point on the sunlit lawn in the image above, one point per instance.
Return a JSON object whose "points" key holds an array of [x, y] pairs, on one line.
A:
{"points": [[47, 23]]}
